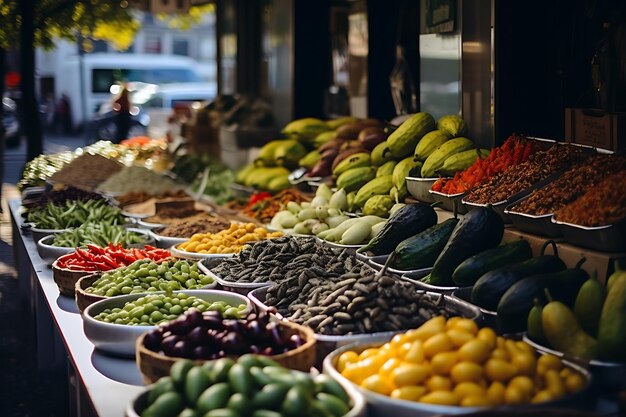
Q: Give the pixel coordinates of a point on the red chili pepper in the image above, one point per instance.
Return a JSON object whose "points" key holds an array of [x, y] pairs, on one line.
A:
{"points": [[256, 197], [95, 249]]}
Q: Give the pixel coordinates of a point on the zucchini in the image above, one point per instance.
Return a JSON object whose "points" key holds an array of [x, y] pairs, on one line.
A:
{"points": [[422, 250], [479, 230], [468, 272], [406, 222], [517, 301], [491, 286]]}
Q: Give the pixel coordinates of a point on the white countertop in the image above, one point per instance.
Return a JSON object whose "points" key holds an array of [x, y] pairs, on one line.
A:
{"points": [[110, 382]]}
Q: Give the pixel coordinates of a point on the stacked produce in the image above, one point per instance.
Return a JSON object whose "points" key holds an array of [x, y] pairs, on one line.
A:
{"points": [[595, 328], [148, 275], [231, 240], [514, 151], [284, 259], [153, 309], [601, 205], [95, 258], [417, 148], [358, 301], [99, 234], [135, 178], [188, 167], [454, 363], [571, 185], [40, 169], [539, 166], [324, 218], [210, 335], [251, 386], [74, 213]]}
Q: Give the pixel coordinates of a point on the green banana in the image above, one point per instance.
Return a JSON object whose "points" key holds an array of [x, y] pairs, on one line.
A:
{"points": [[310, 159], [356, 160], [377, 186], [355, 178]]}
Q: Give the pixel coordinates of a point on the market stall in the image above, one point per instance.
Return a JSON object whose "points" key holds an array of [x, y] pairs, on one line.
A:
{"points": [[334, 250]]}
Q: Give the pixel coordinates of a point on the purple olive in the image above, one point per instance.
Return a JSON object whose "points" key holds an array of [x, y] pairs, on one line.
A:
{"points": [[197, 336], [251, 316], [212, 322], [255, 349], [180, 327], [232, 325], [254, 329], [268, 351], [181, 349], [233, 343], [276, 333], [152, 340], [296, 340], [168, 344], [201, 352], [194, 317], [166, 334]]}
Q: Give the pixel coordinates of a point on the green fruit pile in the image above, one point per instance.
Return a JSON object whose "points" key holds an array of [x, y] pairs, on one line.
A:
{"points": [[254, 386], [146, 275]]}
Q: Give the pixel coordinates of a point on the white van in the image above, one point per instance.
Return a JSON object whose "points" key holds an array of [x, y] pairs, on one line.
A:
{"points": [[98, 71]]}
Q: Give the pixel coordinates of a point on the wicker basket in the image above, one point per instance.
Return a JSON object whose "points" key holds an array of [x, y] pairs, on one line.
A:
{"points": [[66, 278], [154, 365], [83, 298]]}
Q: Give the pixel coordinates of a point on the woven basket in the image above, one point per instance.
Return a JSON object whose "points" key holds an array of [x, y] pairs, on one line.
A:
{"points": [[154, 365], [83, 298], [66, 278]]}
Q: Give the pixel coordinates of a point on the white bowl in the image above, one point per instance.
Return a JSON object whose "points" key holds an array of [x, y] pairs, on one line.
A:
{"points": [[119, 339], [148, 225], [359, 407], [166, 242], [382, 406], [39, 233], [51, 253], [179, 253]]}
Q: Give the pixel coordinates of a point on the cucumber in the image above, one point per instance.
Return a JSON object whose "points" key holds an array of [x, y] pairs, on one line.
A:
{"points": [[480, 229], [468, 272], [491, 286], [517, 301], [421, 250], [407, 221]]}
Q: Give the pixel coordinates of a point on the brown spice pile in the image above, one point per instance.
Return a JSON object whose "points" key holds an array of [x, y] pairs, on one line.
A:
{"points": [[520, 177], [204, 223], [602, 205], [571, 185], [135, 197], [87, 171]]}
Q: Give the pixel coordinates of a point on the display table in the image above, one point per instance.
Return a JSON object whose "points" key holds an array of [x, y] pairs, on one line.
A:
{"points": [[98, 383]]}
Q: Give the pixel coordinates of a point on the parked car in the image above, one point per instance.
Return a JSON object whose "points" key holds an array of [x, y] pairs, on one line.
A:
{"points": [[10, 121], [104, 127]]}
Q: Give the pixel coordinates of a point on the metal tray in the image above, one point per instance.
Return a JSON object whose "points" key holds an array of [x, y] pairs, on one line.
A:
{"points": [[350, 248], [179, 253], [490, 318], [420, 187], [244, 288], [415, 278], [500, 206], [448, 201], [539, 225], [609, 238], [378, 262], [607, 374]]}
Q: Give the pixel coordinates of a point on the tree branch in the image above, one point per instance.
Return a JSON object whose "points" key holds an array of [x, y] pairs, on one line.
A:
{"points": [[63, 4]]}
